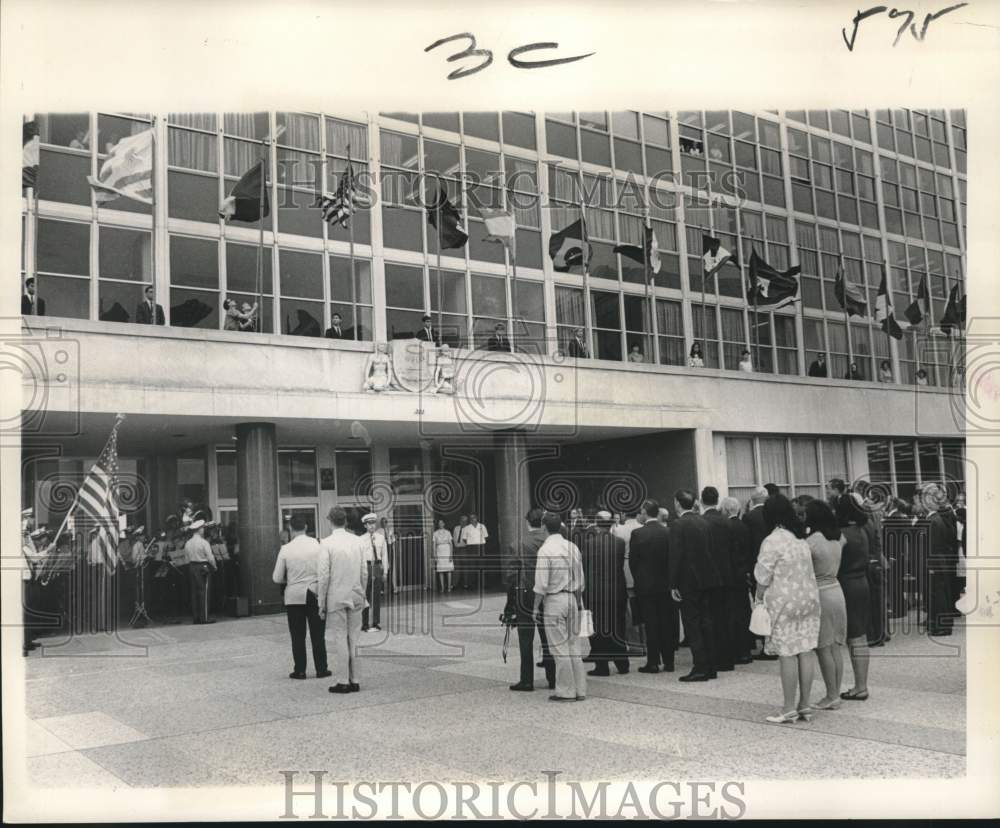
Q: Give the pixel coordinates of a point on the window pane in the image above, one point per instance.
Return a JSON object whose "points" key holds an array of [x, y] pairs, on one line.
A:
{"points": [[519, 129], [296, 473], [301, 274], [64, 296], [773, 463], [225, 464], [404, 287], [63, 247], [804, 461], [489, 296], [835, 459], [124, 254], [194, 308], [481, 125], [241, 267], [354, 470], [194, 262], [739, 461]]}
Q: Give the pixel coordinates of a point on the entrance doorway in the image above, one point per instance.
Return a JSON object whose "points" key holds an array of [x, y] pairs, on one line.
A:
{"points": [[409, 552]]}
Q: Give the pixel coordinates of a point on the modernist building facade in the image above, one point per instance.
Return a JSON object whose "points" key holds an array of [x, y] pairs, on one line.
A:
{"points": [[256, 424]]}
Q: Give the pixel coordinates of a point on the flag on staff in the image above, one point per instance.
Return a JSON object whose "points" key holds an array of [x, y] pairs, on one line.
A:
{"points": [[648, 254], [31, 144], [566, 246], [127, 171], [500, 225], [713, 254], [850, 296], [918, 310], [338, 208], [768, 286], [451, 233], [953, 317], [98, 498], [884, 315], [244, 202]]}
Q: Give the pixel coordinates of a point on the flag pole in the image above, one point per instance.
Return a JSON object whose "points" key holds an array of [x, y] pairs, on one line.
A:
{"points": [[350, 228], [31, 228], [438, 229], [264, 164], [649, 278], [511, 260], [847, 316], [152, 238]]}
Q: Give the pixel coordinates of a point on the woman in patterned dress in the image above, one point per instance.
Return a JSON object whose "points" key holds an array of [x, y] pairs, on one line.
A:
{"points": [[787, 587]]}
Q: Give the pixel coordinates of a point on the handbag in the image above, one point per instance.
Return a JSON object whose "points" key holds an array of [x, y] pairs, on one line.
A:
{"points": [[586, 624], [760, 620], [966, 603]]}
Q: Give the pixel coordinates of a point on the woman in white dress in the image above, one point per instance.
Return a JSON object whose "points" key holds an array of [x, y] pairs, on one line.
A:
{"points": [[443, 563]]}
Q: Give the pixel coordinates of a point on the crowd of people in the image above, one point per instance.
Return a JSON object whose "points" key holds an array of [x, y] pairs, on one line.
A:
{"points": [[824, 576]]}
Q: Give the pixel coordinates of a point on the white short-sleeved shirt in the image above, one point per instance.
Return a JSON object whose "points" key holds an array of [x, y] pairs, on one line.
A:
{"points": [[475, 535]]}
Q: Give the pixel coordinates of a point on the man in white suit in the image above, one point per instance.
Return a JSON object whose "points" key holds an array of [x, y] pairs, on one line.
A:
{"points": [[343, 574]]}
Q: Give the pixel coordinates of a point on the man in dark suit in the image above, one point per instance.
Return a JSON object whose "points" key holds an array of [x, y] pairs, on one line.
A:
{"points": [[336, 329], [721, 553], [577, 346], [754, 520], [818, 366], [144, 310], [739, 601], [605, 596], [693, 576], [649, 560], [427, 333], [520, 603], [942, 560], [31, 304], [499, 340]]}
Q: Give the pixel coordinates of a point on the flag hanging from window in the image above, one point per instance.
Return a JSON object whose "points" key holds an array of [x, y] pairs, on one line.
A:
{"points": [[953, 318], [447, 220], [648, 254], [31, 145], [770, 287], [566, 246], [884, 314], [918, 310], [127, 171], [500, 225], [98, 500], [713, 254], [849, 296], [244, 202], [338, 208]]}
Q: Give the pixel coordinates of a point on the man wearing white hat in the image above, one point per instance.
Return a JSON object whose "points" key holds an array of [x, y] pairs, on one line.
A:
{"points": [[201, 564], [375, 560]]}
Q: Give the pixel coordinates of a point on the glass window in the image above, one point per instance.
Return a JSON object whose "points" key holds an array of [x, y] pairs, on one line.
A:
{"points": [[740, 469], [441, 120], [625, 124], [63, 247], [805, 466], [481, 125], [241, 267], [773, 461], [225, 469], [194, 262], [835, 459], [296, 472], [124, 254], [406, 471], [560, 139], [354, 473], [519, 129]]}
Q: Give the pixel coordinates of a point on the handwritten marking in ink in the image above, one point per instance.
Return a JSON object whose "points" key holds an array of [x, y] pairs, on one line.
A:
{"points": [[513, 57], [893, 14]]}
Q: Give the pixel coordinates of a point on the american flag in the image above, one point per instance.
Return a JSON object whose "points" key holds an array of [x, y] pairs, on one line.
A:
{"points": [[98, 498], [339, 207]]}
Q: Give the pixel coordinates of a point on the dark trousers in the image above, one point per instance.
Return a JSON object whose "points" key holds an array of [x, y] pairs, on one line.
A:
{"points": [[526, 644], [200, 575], [723, 645], [878, 618], [301, 616], [609, 642], [896, 582], [472, 562], [941, 610], [659, 612], [372, 615], [738, 618], [696, 612]]}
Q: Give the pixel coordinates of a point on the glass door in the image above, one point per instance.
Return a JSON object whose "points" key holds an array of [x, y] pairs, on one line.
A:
{"points": [[409, 548]]}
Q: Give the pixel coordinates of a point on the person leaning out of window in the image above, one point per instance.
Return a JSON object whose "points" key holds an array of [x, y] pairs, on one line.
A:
{"points": [[695, 358]]}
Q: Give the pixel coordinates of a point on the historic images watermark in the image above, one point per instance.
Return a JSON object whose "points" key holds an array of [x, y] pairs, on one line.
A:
{"points": [[314, 795]]}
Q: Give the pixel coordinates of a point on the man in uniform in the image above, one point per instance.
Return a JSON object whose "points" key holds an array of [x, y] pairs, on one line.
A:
{"points": [[201, 565], [520, 602], [604, 573], [375, 559]]}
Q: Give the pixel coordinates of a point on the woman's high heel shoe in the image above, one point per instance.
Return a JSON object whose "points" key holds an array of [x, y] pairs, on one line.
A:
{"points": [[784, 718]]}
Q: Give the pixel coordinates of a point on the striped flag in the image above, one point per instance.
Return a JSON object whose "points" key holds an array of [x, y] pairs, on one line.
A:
{"points": [[500, 225], [31, 143], [98, 499], [128, 171], [338, 208]]}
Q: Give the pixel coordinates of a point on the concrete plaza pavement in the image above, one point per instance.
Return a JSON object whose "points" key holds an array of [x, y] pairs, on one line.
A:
{"points": [[212, 705]]}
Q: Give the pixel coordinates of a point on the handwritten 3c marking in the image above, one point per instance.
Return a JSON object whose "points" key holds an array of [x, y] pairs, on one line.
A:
{"points": [[513, 57], [893, 14]]}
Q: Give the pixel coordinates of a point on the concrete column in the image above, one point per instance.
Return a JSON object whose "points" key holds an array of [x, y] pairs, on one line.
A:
{"points": [[704, 459], [257, 498], [513, 489]]}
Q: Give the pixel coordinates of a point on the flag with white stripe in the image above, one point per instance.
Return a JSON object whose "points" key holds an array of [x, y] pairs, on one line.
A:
{"points": [[338, 208], [128, 171], [98, 499]]}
